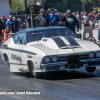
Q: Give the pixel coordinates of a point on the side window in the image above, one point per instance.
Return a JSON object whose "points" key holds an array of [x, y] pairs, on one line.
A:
{"points": [[16, 38], [20, 38], [35, 36]]}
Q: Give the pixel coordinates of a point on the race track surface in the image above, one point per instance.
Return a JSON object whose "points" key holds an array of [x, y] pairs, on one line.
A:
{"points": [[65, 85]]}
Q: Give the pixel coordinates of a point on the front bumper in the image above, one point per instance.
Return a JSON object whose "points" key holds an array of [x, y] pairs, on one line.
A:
{"points": [[82, 63], [54, 64]]}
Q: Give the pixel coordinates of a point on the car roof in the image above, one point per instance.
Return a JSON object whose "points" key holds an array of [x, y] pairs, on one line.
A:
{"points": [[42, 28]]}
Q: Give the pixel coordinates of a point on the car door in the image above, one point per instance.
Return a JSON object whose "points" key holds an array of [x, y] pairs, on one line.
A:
{"points": [[20, 43]]}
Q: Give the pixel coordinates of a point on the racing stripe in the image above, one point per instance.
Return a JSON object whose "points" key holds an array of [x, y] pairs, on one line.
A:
{"points": [[71, 41], [59, 42]]}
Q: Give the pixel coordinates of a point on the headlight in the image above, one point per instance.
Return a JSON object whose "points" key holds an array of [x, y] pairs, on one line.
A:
{"points": [[47, 59], [54, 59], [91, 55], [98, 54]]}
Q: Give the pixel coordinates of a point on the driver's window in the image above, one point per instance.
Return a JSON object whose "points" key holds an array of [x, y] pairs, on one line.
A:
{"points": [[16, 38], [20, 38]]}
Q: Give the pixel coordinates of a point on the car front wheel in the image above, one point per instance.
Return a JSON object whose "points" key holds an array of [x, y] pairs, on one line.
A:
{"points": [[31, 71], [91, 69]]}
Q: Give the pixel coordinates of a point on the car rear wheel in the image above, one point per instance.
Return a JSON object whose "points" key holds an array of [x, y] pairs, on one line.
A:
{"points": [[91, 69], [31, 71]]}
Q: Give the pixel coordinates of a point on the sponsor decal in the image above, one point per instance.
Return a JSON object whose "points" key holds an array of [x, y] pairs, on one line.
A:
{"points": [[87, 35], [20, 61], [29, 56], [15, 57]]}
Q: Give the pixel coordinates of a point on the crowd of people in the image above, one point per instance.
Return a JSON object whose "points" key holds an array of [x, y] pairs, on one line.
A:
{"points": [[68, 19], [12, 24], [52, 17]]}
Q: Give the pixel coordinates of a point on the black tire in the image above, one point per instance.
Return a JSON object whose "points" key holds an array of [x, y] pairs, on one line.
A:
{"points": [[6, 59], [91, 69], [31, 70]]}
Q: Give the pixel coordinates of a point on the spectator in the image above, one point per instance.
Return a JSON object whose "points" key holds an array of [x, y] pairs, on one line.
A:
{"points": [[70, 21], [87, 22], [73, 13], [52, 18], [98, 16], [90, 17], [3, 21], [20, 20], [81, 15], [10, 24], [41, 20], [61, 16], [57, 16], [85, 17], [79, 20], [77, 13], [29, 21], [16, 28], [94, 14]]}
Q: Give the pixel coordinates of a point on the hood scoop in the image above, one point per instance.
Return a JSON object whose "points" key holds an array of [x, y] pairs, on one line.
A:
{"points": [[66, 42], [60, 42]]}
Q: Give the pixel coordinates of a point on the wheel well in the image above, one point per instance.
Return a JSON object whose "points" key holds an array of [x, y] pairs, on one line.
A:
{"points": [[29, 62], [5, 57]]}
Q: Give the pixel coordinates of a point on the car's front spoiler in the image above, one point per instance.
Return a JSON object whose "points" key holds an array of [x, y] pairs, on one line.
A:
{"points": [[54, 64], [90, 60]]}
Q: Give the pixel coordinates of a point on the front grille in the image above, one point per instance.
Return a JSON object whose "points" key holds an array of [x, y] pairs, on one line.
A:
{"points": [[82, 57], [62, 59], [73, 59]]}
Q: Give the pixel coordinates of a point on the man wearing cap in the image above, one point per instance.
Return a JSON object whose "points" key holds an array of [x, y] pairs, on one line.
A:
{"points": [[53, 18], [10, 24], [3, 21], [98, 16], [41, 20], [70, 21]]}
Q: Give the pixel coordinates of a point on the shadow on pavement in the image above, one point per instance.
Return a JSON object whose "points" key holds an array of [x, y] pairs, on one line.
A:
{"points": [[63, 75]]}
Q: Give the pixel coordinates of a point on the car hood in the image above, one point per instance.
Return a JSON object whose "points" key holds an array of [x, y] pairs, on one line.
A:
{"points": [[65, 45]]}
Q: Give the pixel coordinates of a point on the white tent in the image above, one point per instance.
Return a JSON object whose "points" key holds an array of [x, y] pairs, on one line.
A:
{"points": [[4, 8]]}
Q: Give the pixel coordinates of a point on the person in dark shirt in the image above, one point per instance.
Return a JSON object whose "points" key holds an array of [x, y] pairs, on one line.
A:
{"points": [[81, 15], [70, 21], [16, 28], [53, 18], [29, 21], [98, 16], [3, 19], [41, 20]]}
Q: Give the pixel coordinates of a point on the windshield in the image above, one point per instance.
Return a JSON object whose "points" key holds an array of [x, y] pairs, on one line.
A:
{"points": [[36, 36]]}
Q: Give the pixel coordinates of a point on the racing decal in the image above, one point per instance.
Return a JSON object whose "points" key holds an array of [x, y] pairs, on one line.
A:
{"points": [[29, 56], [21, 61], [71, 41], [15, 57], [59, 42]]}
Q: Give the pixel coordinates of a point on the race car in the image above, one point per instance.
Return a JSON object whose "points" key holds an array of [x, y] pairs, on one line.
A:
{"points": [[44, 49]]}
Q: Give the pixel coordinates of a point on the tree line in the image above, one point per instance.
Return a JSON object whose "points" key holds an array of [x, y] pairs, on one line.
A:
{"points": [[61, 5]]}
